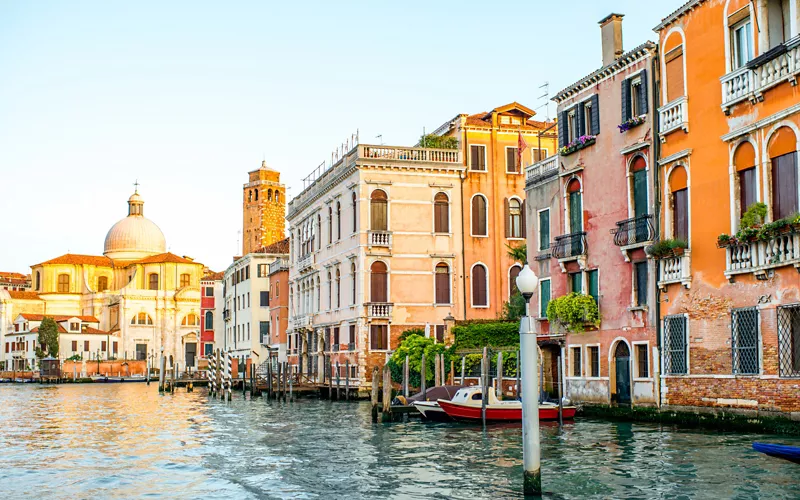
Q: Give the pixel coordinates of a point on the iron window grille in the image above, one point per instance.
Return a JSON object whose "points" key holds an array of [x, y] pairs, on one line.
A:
{"points": [[744, 341], [789, 340], [675, 345]]}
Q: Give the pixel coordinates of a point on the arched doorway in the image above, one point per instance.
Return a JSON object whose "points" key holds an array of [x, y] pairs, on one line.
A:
{"points": [[622, 364]]}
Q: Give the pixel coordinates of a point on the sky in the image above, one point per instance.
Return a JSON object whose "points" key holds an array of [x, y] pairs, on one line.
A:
{"points": [[187, 97]]}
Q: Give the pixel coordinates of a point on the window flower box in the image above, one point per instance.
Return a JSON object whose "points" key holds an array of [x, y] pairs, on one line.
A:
{"points": [[631, 123], [578, 144], [666, 249]]}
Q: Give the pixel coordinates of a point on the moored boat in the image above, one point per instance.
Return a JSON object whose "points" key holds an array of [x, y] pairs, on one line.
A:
{"points": [[466, 405], [790, 453]]}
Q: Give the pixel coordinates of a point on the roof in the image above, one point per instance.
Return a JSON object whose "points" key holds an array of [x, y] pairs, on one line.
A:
{"points": [[58, 317], [213, 276], [21, 295], [73, 258], [164, 257], [683, 9], [84, 330], [513, 106], [277, 247], [4, 275], [60, 329]]}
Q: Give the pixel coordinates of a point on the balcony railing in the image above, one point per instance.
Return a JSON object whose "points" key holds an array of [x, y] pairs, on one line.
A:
{"points": [[335, 347], [675, 270], [351, 346], [380, 239], [379, 310], [569, 246], [279, 265], [226, 314], [635, 231], [410, 154], [750, 82], [674, 116], [758, 257], [302, 321], [305, 262], [541, 170]]}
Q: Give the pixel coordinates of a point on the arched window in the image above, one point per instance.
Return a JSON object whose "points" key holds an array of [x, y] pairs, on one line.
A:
{"points": [[256, 193], [679, 203], [63, 283], [38, 281], [330, 225], [142, 319], [782, 149], [338, 220], [673, 63], [744, 159], [250, 195], [319, 295], [269, 195], [513, 209], [319, 228], [338, 289], [355, 213], [441, 213], [480, 296], [379, 207], [512, 280], [639, 186], [479, 216], [575, 206], [209, 320], [442, 283], [330, 291], [277, 196], [102, 283], [186, 280], [190, 320], [379, 283], [353, 279]]}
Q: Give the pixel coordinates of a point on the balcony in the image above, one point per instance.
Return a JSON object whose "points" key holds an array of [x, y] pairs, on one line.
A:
{"points": [[634, 233], [335, 348], [541, 170], [762, 257], [303, 321], [305, 262], [226, 315], [279, 265], [780, 64], [568, 247], [380, 239], [379, 310], [351, 346], [674, 116], [676, 269]]}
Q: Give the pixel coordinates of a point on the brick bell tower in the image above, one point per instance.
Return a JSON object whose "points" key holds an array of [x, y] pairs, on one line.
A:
{"points": [[263, 209]]}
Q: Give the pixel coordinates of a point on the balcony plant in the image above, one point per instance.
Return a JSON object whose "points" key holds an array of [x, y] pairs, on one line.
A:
{"points": [[579, 143], [631, 123], [667, 248], [574, 312], [754, 216]]}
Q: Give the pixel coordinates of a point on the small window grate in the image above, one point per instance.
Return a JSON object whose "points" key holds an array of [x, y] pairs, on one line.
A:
{"points": [[744, 341], [789, 340], [675, 345]]}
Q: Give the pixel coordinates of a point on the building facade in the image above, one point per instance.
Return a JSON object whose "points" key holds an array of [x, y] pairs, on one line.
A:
{"points": [[16, 282], [263, 209], [211, 302], [279, 308], [729, 120]]}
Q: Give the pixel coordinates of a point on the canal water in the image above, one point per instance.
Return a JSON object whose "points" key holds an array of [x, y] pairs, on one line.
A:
{"points": [[127, 441]]}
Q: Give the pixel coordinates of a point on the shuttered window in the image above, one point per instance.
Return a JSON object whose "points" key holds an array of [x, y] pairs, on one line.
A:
{"points": [[747, 188], [264, 299], [477, 157], [544, 297], [338, 220], [63, 283], [379, 337], [379, 208], [441, 213], [513, 211], [594, 285], [74, 346], [153, 285], [680, 214], [576, 282], [479, 216], [330, 225], [442, 285], [479, 284], [355, 213], [642, 361], [674, 63], [784, 185], [576, 362], [594, 361], [640, 275], [512, 160], [544, 229], [378, 282]]}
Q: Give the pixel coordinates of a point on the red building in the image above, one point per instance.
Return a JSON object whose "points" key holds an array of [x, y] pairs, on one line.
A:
{"points": [[211, 296]]}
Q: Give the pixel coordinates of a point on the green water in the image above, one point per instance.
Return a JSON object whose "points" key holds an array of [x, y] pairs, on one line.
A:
{"points": [[127, 441]]}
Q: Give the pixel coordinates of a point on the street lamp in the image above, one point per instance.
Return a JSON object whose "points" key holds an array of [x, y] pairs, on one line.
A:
{"points": [[528, 364]]}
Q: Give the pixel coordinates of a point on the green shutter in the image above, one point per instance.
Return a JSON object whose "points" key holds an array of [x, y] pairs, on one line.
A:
{"points": [[544, 296], [594, 285], [544, 230], [576, 283], [640, 192], [575, 213]]}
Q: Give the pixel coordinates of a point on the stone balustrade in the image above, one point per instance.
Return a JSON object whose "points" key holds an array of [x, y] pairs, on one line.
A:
{"points": [[758, 257], [750, 82], [379, 310], [675, 269], [541, 170], [674, 116], [380, 239]]}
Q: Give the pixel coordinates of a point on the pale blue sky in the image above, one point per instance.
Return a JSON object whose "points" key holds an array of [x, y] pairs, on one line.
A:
{"points": [[189, 96]]}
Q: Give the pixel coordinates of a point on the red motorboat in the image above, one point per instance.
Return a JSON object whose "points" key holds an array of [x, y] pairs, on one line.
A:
{"points": [[466, 405]]}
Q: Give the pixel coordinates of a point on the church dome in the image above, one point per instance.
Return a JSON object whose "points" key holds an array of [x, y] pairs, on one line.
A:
{"points": [[135, 236]]}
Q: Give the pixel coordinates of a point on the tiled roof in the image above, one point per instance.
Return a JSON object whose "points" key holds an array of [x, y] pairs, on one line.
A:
{"points": [[277, 247], [87, 330], [677, 13], [478, 120], [22, 295], [58, 317], [214, 276], [14, 276], [164, 257], [95, 331], [60, 328], [72, 258]]}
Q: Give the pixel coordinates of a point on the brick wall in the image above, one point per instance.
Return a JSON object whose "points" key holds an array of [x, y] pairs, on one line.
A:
{"points": [[742, 392]]}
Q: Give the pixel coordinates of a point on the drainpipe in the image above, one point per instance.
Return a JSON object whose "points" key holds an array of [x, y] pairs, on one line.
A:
{"points": [[463, 238], [657, 214]]}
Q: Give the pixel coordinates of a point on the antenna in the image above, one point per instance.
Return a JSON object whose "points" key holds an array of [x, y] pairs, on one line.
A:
{"points": [[545, 96], [380, 138]]}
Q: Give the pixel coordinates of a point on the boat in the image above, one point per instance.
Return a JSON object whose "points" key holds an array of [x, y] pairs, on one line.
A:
{"points": [[466, 405], [790, 453], [113, 379], [426, 403]]}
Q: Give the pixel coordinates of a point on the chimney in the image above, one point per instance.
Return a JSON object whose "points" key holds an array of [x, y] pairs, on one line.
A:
{"points": [[611, 36]]}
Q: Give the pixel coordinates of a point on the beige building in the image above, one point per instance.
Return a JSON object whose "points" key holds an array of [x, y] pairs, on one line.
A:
{"points": [[375, 240]]}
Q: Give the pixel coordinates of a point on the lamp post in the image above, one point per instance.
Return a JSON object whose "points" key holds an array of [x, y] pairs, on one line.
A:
{"points": [[528, 364]]}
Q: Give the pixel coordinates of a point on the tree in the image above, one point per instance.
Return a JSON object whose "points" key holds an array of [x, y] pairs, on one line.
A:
{"points": [[48, 337], [514, 309], [518, 253], [438, 142], [413, 345]]}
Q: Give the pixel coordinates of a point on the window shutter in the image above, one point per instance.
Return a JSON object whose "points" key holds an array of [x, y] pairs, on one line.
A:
{"points": [[522, 220], [510, 160], [595, 125], [626, 100], [562, 129], [506, 216], [580, 114], [643, 93]]}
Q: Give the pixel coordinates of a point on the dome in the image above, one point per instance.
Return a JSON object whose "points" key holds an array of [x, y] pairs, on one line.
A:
{"points": [[135, 236]]}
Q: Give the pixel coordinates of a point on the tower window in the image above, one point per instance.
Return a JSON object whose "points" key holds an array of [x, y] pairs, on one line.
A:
{"points": [[153, 281], [186, 280], [63, 283]]}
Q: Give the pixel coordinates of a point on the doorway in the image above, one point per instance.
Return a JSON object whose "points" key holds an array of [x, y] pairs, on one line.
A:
{"points": [[622, 362], [191, 353]]}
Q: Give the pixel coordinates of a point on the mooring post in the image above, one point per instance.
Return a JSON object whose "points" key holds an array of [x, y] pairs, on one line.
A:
{"points": [[560, 393], [437, 378], [210, 375], [463, 366], [405, 377], [229, 373], [452, 372], [374, 395], [330, 377], [338, 383], [218, 387], [422, 376], [347, 380], [484, 383], [285, 381], [174, 369], [147, 376], [387, 393], [499, 390], [278, 381], [519, 377], [161, 374]]}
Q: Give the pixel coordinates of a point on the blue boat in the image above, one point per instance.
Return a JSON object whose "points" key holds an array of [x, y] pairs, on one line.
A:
{"points": [[791, 453]]}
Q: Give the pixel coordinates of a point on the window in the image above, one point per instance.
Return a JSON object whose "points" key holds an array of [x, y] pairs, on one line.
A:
{"points": [[640, 282], [277, 289], [575, 206], [336, 336], [594, 361], [86, 346], [142, 319], [514, 219], [330, 291], [247, 272], [779, 15], [262, 270], [642, 361], [512, 280], [208, 291], [594, 285], [74, 327], [479, 216], [789, 340], [784, 185], [741, 43], [544, 297], [379, 282], [153, 281], [538, 155], [102, 283], [74, 346], [576, 282], [572, 126], [63, 283], [544, 229], [675, 345], [38, 281], [264, 298], [379, 207], [103, 345], [209, 320], [441, 213], [588, 117], [440, 333], [442, 283], [190, 320], [744, 160], [263, 332], [338, 220], [480, 297], [353, 282], [512, 160], [379, 337], [248, 299], [355, 212], [744, 341], [674, 68], [339, 290], [477, 158], [353, 335], [330, 225], [576, 362]]}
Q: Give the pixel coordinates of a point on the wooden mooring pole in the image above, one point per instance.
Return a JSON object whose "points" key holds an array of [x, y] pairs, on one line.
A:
{"points": [[499, 390], [330, 377], [387, 394], [347, 380], [374, 395], [452, 372], [463, 367], [338, 383], [437, 369], [285, 381], [269, 379], [405, 377], [484, 383], [422, 376], [560, 393]]}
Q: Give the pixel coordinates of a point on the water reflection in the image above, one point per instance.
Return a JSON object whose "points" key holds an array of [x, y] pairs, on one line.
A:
{"points": [[126, 440]]}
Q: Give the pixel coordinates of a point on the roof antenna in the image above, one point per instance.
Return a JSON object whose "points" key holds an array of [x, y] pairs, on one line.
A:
{"points": [[545, 96], [380, 138]]}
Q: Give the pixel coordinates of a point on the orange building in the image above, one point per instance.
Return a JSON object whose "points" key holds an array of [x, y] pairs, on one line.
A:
{"points": [[263, 209], [729, 123], [493, 198]]}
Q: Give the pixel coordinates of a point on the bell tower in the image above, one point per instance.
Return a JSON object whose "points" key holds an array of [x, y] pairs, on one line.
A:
{"points": [[263, 208]]}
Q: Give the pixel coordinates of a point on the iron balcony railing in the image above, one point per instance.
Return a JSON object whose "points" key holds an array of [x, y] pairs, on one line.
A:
{"points": [[569, 245], [637, 230], [351, 346]]}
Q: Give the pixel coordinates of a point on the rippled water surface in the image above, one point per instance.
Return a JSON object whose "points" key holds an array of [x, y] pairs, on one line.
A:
{"points": [[126, 440]]}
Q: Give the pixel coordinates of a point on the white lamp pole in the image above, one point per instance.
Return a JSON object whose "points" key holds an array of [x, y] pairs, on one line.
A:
{"points": [[529, 366]]}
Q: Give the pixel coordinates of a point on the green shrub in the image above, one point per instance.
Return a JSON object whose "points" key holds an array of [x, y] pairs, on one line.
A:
{"points": [[754, 215], [514, 309], [664, 248], [480, 334], [413, 346], [574, 312]]}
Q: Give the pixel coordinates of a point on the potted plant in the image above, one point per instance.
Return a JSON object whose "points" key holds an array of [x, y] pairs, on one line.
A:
{"points": [[724, 240], [667, 248], [574, 311], [754, 216], [579, 143], [631, 123]]}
